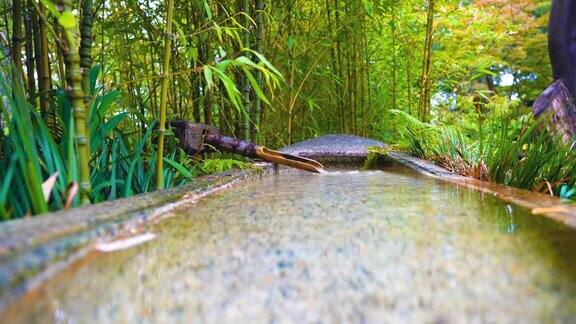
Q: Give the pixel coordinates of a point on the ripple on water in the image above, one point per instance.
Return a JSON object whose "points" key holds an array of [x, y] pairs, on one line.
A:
{"points": [[350, 172]]}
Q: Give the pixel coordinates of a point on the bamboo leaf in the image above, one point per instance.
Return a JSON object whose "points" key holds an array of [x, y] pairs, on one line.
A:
{"points": [[207, 9], [231, 90], [94, 73], [179, 167], [256, 87], [262, 59], [208, 77], [243, 60], [105, 102], [222, 66], [137, 159], [107, 129], [6, 187]]}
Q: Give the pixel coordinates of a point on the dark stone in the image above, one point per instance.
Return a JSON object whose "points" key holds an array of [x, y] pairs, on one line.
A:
{"points": [[334, 148], [559, 97], [562, 42]]}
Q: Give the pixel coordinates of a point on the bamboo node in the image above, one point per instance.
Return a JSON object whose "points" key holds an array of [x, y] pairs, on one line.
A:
{"points": [[172, 36], [81, 140]]}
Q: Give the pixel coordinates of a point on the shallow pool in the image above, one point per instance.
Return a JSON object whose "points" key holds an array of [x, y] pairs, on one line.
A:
{"points": [[343, 246]]}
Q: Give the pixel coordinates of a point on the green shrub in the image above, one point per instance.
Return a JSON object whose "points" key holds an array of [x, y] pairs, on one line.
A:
{"points": [[518, 152]]}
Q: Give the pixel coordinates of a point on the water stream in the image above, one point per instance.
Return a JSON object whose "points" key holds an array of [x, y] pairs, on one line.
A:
{"points": [[341, 246]]}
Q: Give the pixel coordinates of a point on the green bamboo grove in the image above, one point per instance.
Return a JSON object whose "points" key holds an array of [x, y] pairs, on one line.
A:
{"points": [[99, 80]]}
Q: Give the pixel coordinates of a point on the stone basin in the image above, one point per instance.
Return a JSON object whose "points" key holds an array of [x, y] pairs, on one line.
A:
{"points": [[408, 242]]}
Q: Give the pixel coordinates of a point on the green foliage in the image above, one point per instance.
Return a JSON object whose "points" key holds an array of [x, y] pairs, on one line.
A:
{"points": [[211, 166], [526, 157], [431, 142], [122, 164], [20, 157], [210, 59], [530, 159], [319, 67]]}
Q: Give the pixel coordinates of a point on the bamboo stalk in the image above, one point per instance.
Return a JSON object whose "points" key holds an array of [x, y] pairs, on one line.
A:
{"points": [[260, 49], [86, 58], [354, 85], [61, 72], [394, 57], [292, 98], [29, 46], [409, 77], [245, 115], [368, 110], [340, 67], [362, 79], [335, 67], [42, 64], [44, 78], [349, 89], [17, 35], [425, 82], [76, 95], [152, 88], [206, 92], [86, 48], [164, 96]]}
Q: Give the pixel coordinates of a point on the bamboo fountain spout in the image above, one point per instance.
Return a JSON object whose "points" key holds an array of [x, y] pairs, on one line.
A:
{"points": [[194, 137]]}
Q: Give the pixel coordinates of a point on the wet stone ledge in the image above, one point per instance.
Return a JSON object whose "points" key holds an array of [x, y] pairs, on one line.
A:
{"points": [[32, 249]]}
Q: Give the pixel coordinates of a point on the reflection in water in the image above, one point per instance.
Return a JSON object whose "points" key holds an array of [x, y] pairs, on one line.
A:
{"points": [[512, 227], [341, 246]]}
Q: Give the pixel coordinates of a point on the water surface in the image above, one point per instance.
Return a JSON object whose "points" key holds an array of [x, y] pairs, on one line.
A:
{"points": [[343, 246]]}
